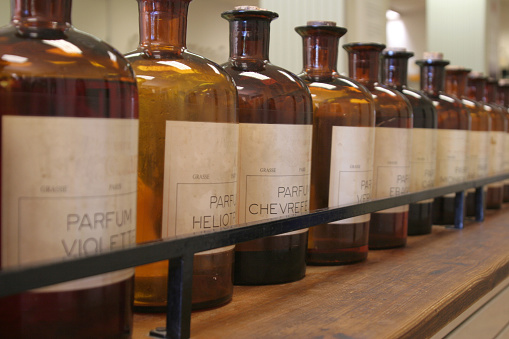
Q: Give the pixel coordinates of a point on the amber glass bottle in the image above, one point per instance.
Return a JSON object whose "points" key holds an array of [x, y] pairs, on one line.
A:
{"points": [[276, 116], [477, 87], [454, 123], [68, 104], [479, 138], [343, 146], [503, 100], [187, 153], [391, 170], [498, 153], [424, 139]]}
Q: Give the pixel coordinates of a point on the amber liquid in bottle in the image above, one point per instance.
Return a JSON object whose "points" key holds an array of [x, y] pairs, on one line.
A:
{"points": [[478, 150], [503, 100], [275, 115], [394, 119], [187, 107], [452, 146], [344, 114], [495, 195], [424, 141], [52, 75]]}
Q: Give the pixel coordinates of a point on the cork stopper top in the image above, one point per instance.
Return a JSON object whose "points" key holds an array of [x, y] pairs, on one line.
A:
{"points": [[433, 56], [248, 8], [321, 23]]}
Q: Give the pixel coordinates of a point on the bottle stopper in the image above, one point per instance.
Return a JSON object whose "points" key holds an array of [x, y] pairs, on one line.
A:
{"points": [[433, 56], [248, 8], [321, 23]]}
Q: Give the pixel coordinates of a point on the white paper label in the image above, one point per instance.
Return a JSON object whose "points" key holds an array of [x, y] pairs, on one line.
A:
{"points": [[68, 190], [392, 164], [351, 169], [200, 177], [506, 157], [478, 154], [496, 155], [275, 165], [424, 155], [451, 156]]}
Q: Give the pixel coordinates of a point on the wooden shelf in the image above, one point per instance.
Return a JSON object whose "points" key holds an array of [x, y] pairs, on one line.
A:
{"points": [[407, 292]]}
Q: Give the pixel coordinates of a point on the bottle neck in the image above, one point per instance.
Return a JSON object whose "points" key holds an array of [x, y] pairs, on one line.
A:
{"points": [[456, 83], [476, 89], [503, 96], [432, 78], [163, 24], [320, 54], [54, 14], [364, 66], [249, 39], [491, 92], [395, 71]]}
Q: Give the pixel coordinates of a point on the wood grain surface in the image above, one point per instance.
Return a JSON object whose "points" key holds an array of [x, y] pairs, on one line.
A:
{"points": [[410, 292]]}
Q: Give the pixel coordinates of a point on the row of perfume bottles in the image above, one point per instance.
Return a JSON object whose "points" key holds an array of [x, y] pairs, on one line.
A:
{"points": [[218, 146]]}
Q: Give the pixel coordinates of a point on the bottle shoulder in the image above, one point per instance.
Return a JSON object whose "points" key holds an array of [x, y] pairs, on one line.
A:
{"points": [[68, 53], [391, 103], [268, 81], [181, 70]]}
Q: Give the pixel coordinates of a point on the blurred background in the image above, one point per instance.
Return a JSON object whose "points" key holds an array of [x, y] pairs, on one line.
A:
{"points": [[470, 33]]}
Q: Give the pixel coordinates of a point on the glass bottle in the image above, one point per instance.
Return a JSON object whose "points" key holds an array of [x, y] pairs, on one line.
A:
{"points": [[424, 140], [477, 89], [503, 100], [394, 120], [454, 123], [342, 148], [187, 153], [479, 138], [69, 147], [498, 151], [276, 116]]}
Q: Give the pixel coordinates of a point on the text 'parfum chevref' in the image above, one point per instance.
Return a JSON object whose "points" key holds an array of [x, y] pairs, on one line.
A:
{"points": [[424, 139], [187, 174], [343, 147], [275, 115], [454, 123], [69, 156], [393, 145]]}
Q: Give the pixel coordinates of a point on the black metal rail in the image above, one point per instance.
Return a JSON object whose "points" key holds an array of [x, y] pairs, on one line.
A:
{"points": [[180, 250]]}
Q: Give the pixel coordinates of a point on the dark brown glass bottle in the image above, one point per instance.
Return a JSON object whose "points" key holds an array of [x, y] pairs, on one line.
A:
{"points": [[499, 152], [187, 107], [394, 120], [424, 139], [69, 148], [478, 150], [477, 86], [276, 117], [343, 147], [503, 100], [454, 123]]}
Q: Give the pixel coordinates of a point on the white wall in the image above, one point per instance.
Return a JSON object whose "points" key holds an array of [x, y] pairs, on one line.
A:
{"points": [[409, 32], [459, 31], [503, 43], [285, 43]]}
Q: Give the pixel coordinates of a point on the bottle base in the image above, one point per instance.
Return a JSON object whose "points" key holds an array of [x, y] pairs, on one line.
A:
{"points": [[100, 312], [388, 230], [272, 260], [212, 283], [506, 193], [420, 218], [338, 244], [494, 197], [444, 211]]}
